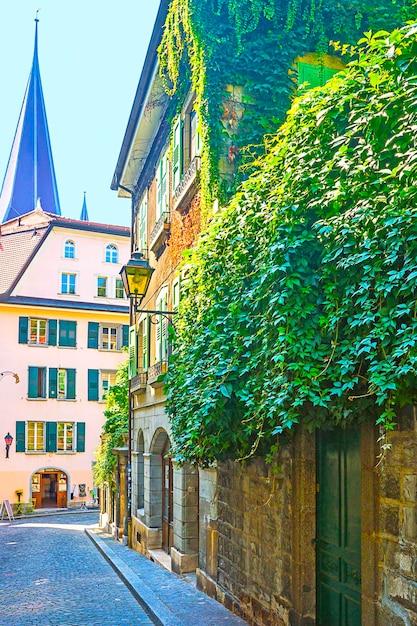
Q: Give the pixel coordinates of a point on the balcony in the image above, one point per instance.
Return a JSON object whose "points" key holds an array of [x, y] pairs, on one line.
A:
{"points": [[160, 233], [187, 185], [155, 373], [138, 383]]}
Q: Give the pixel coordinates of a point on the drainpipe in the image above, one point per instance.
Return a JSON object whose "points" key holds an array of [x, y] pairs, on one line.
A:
{"points": [[128, 473]]}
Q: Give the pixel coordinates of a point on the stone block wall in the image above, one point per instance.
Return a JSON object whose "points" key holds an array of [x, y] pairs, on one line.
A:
{"points": [[255, 537], [397, 526]]}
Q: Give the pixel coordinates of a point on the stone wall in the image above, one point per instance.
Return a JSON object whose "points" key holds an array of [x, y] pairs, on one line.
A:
{"points": [[255, 537], [397, 532]]}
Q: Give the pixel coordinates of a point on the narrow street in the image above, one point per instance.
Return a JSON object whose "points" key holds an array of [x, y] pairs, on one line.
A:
{"points": [[51, 574]]}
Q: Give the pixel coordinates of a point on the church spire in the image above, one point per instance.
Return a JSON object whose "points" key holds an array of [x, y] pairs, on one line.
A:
{"points": [[30, 173], [84, 212]]}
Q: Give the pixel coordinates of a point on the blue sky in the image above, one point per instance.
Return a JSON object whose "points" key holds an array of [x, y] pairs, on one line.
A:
{"points": [[91, 54]]}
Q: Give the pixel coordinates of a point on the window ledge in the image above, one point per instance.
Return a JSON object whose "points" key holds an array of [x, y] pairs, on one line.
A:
{"points": [[32, 452], [37, 345], [38, 399]]}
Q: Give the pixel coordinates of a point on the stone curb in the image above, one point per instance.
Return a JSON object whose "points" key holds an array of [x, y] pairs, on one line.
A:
{"points": [[49, 513], [151, 604]]}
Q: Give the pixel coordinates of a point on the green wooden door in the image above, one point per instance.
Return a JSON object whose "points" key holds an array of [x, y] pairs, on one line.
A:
{"points": [[339, 528]]}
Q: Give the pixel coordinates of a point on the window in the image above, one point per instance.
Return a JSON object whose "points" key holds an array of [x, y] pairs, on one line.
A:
{"points": [[69, 249], [107, 337], [144, 344], [67, 337], [162, 190], [50, 437], [35, 437], [111, 253], [64, 387], [177, 153], [37, 382], [107, 380], [161, 346], [119, 289], [68, 283], [102, 286], [142, 227], [37, 332], [65, 437], [176, 293]]}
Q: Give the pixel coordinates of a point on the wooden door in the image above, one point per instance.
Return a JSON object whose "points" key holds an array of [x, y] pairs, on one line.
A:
{"points": [[339, 528]]}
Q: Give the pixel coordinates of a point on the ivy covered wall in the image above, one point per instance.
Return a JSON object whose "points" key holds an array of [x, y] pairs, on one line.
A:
{"points": [[252, 44], [302, 298]]}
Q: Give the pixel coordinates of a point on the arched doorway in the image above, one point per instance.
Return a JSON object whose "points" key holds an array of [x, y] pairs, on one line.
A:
{"points": [[50, 488], [162, 483]]}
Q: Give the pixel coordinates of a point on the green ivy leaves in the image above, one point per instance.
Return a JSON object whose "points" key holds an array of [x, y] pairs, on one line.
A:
{"points": [[301, 304]]}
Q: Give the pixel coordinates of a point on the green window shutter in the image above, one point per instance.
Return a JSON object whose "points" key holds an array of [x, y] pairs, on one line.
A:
{"points": [[80, 436], [52, 328], [50, 437], [177, 152], [93, 329], [67, 334], [20, 437], [33, 382], [53, 382], [93, 384], [125, 335], [314, 75], [23, 329], [145, 344], [71, 384], [133, 370]]}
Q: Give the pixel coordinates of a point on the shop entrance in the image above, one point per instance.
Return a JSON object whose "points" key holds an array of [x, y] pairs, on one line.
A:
{"points": [[49, 489]]}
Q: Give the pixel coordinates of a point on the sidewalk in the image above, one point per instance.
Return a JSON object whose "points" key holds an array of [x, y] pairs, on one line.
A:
{"points": [[167, 598]]}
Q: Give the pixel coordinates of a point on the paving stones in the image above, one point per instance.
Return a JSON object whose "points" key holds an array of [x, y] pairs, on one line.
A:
{"points": [[52, 575]]}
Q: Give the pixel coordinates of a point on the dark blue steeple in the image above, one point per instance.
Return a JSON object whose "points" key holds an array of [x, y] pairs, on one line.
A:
{"points": [[30, 174], [84, 212]]}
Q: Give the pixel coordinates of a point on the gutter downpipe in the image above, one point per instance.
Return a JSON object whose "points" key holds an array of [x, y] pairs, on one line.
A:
{"points": [[127, 522]]}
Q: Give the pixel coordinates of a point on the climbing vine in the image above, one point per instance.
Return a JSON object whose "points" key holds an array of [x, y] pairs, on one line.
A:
{"points": [[301, 304], [210, 44], [115, 427]]}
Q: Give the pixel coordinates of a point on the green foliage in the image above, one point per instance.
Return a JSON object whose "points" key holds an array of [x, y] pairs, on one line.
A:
{"points": [[115, 427], [251, 44], [301, 304]]}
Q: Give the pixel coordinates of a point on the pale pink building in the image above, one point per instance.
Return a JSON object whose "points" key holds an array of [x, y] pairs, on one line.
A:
{"points": [[64, 320]]}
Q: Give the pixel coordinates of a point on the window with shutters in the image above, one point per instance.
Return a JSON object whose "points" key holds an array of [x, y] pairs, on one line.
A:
{"points": [[162, 189], [185, 154], [107, 380], [107, 337], [35, 438], [38, 331], [68, 283], [161, 334], [176, 293], [102, 286], [65, 437], [67, 334], [65, 384], [142, 226], [315, 70], [37, 382], [111, 253], [144, 344]]}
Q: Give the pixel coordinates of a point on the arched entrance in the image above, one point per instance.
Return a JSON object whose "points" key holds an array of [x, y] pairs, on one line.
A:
{"points": [[50, 488], [161, 468]]}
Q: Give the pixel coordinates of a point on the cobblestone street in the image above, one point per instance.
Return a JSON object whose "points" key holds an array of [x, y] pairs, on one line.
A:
{"points": [[52, 575]]}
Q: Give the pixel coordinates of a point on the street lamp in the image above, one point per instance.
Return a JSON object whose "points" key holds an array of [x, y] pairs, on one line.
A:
{"points": [[136, 276], [9, 440]]}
